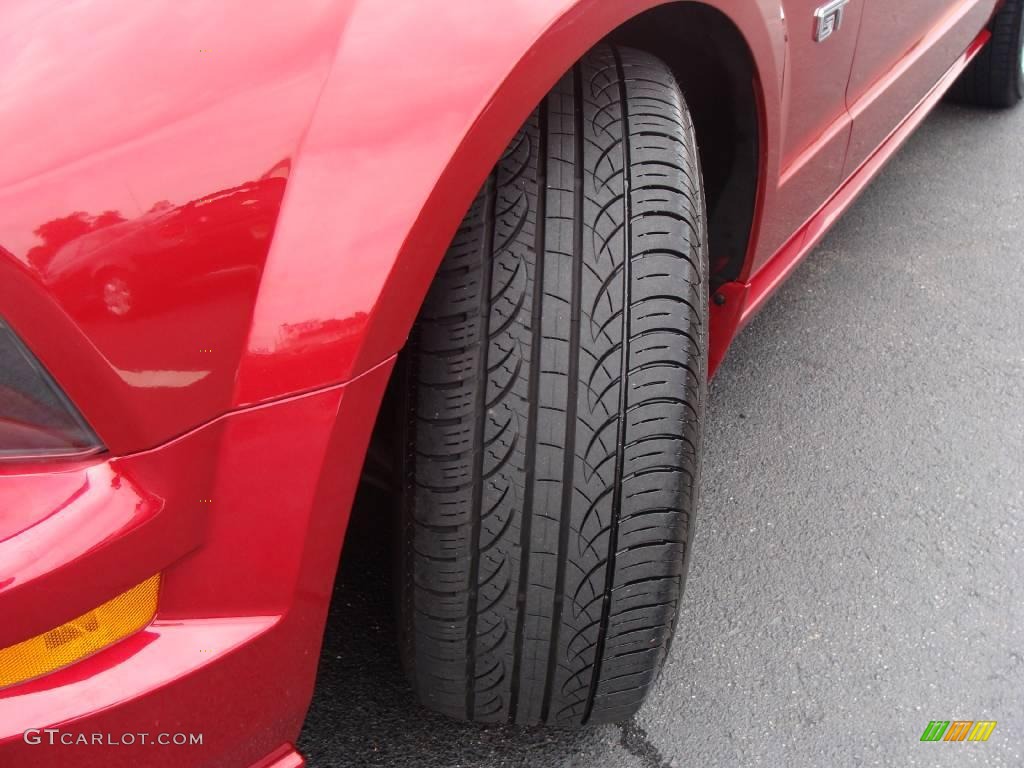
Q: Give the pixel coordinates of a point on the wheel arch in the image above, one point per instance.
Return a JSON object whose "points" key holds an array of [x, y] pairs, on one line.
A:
{"points": [[344, 281], [716, 71]]}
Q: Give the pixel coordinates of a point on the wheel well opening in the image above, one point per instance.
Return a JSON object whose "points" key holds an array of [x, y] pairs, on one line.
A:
{"points": [[715, 70]]}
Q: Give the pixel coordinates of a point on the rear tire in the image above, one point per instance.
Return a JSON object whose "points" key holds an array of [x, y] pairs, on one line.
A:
{"points": [[995, 79], [556, 397]]}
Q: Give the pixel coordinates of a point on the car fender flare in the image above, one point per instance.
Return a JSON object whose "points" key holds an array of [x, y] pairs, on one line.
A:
{"points": [[420, 101]]}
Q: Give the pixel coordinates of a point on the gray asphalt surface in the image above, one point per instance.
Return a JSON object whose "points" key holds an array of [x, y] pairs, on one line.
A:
{"points": [[859, 560]]}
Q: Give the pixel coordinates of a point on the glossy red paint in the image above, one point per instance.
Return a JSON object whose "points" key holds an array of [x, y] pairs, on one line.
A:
{"points": [[217, 224], [147, 148]]}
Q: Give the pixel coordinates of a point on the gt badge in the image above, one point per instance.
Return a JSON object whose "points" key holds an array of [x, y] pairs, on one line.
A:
{"points": [[828, 19]]}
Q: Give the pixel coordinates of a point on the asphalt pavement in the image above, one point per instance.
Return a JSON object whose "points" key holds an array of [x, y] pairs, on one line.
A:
{"points": [[858, 568]]}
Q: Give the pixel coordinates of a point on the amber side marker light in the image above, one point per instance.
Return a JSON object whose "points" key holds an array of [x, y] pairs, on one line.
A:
{"points": [[72, 641]]}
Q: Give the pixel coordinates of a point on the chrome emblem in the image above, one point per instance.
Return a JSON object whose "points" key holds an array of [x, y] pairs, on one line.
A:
{"points": [[829, 18]]}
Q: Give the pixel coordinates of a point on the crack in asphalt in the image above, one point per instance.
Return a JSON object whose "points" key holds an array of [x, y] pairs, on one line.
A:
{"points": [[636, 741]]}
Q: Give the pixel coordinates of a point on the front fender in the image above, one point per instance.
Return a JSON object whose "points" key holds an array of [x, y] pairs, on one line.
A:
{"points": [[421, 100], [146, 149]]}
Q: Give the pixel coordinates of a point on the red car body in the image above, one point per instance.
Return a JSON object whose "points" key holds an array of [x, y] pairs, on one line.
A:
{"points": [[217, 224]]}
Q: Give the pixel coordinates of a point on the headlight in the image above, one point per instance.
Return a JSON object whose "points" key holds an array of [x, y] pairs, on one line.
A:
{"points": [[36, 419]]}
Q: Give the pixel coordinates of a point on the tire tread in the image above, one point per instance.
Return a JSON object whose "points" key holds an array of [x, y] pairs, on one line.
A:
{"points": [[995, 79], [558, 395]]}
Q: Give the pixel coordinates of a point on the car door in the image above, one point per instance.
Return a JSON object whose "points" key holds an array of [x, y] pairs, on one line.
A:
{"points": [[821, 39], [903, 50]]}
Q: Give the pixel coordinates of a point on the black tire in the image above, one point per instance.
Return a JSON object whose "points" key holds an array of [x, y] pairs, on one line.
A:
{"points": [[995, 79], [552, 467]]}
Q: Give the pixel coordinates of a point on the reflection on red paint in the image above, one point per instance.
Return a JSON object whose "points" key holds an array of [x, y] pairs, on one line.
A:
{"points": [[106, 267]]}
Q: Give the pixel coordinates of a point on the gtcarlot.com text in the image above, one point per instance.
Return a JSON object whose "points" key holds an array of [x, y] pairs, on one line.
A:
{"points": [[55, 736]]}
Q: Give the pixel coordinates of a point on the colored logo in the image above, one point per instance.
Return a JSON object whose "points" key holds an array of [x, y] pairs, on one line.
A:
{"points": [[958, 730]]}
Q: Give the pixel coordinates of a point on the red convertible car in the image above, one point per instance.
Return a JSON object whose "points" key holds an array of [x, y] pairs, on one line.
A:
{"points": [[489, 252]]}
